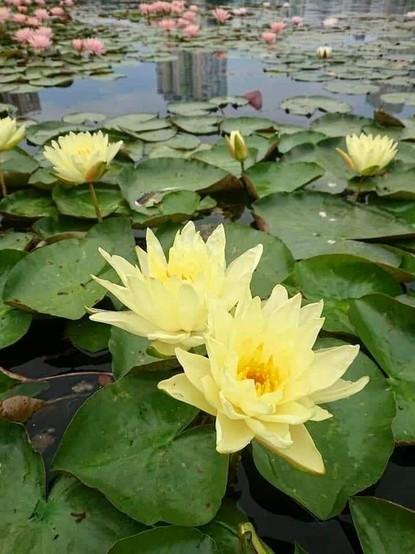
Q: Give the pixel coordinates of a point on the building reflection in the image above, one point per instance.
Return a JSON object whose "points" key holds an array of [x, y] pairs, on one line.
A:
{"points": [[193, 76], [25, 102]]}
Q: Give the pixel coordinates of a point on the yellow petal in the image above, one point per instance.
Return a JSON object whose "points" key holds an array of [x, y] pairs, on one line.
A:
{"points": [[129, 321], [303, 453], [231, 434], [347, 159], [196, 367], [339, 390], [329, 365], [180, 388], [272, 435]]}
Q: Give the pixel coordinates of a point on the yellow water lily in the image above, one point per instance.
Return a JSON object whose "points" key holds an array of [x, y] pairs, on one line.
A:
{"points": [[10, 133], [167, 298], [262, 379], [79, 158], [368, 155], [324, 52], [237, 147]]}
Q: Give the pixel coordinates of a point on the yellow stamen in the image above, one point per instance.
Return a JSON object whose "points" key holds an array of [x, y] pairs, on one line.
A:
{"points": [[262, 371]]}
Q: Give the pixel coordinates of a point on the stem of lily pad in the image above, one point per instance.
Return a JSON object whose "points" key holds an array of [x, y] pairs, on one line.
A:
{"points": [[242, 166], [95, 202], [3, 184]]}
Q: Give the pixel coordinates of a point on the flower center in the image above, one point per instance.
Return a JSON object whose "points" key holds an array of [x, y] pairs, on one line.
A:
{"points": [[263, 372]]}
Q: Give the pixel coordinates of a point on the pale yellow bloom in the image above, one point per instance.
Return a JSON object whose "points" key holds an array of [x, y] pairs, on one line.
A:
{"points": [[10, 133], [167, 299], [368, 155], [81, 157], [324, 52], [262, 379], [237, 147]]}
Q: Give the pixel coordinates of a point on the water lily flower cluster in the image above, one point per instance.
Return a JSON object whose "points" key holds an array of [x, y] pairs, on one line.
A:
{"points": [[261, 378], [368, 155]]}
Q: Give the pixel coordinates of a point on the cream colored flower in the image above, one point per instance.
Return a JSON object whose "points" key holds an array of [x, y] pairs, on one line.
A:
{"points": [[262, 379], [81, 157], [10, 133], [167, 300], [237, 147], [324, 52], [368, 155]]}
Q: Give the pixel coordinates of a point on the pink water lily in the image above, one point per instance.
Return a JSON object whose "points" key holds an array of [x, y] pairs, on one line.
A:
{"points": [[94, 46], [221, 15], [268, 37], [277, 27]]}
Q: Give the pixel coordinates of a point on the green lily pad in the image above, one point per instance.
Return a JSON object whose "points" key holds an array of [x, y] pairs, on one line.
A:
{"points": [[311, 222], [355, 444], [334, 125], [171, 539], [387, 328], [40, 133], [77, 202], [82, 118], [154, 467], [191, 108], [406, 98], [13, 240], [43, 179], [130, 122], [88, 335], [17, 161], [197, 125], [307, 105], [248, 125], [287, 142], [61, 227], [382, 526], [396, 184], [351, 87], [235, 101], [219, 156], [31, 203], [337, 279], [268, 177], [72, 518], [13, 323], [167, 174]]}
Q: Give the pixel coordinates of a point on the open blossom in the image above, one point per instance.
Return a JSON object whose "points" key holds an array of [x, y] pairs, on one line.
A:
{"points": [[221, 15], [23, 35], [296, 21], [268, 37], [10, 133], [19, 18], [167, 25], [168, 298], [191, 31], [78, 44], [368, 155], [57, 11], [4, 14], [47, 31], [190, 16], [42, 14], [94, 46], [193, 8], [81, 157], [330, 22], [277, 27], [39, 42], [33, 21], [262, 379]]}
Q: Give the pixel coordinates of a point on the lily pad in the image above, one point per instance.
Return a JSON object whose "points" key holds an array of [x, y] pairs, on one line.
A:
{"points": [[82, 118], [154, 467], [197, 125], [406, 98], [76, 201], [88, 335], [334, 125], [248, 125], [307, 105], [14, 240], [191, 108], [31, 203], [351, 87]]}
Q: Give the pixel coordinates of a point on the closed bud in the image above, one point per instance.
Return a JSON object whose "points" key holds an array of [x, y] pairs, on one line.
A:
{"points": [[237, 146], [324, 52]]}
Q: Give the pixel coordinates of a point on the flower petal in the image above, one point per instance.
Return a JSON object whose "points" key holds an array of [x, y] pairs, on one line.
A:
{"points": [[340, 389], [129, 321], [180, 388], [329, 365], [231, 434], [195, 366]]}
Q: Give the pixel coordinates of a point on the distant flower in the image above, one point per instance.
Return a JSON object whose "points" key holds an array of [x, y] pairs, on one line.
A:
{"points": [[277, 27], [94, 46], [33, 21], [4, 14], [167, 25], [190, 16], [81, 157], [324, 52], [168, 298], [221, 15], [410, 15], [237, 147], [193, 8], [39, 41], [42, 14], [22, 9], [23, 35], [181, 23], [296, 21], [10, 133], [191, 31], [254, 98], [262, 380], [268, 37], [240, 11], [57, 11], [47, 31], [330, 22], [78, 44], [19, 18], [367, 155]]}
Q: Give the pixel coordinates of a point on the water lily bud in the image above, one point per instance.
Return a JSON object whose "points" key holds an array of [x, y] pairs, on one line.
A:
{"points": [[237, 146], [368, 155], [324, 52], [10, 133]]}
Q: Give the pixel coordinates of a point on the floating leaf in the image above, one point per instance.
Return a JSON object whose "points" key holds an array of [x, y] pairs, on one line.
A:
{"points": [[191, 108], [306, 105], [334, 125], [154, 467], [13, 240], [76, 201], [88, 335], [198, 125], [248, 125], [31, 203], [351, 87]]}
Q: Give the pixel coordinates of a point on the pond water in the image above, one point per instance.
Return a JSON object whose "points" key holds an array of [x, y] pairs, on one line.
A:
{"points": [[147, 87]]}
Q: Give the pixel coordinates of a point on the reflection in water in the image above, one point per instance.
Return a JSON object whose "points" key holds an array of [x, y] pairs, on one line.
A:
{"points": [[192, 76], [25, 102]]}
